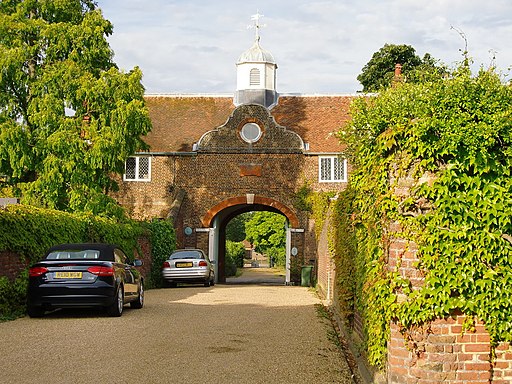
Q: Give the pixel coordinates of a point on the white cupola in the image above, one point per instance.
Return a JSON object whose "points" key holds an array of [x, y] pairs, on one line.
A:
{"points": [[256, 74]]}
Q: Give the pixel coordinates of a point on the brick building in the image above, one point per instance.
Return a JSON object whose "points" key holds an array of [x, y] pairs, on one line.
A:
{"points": [[213, 157]]}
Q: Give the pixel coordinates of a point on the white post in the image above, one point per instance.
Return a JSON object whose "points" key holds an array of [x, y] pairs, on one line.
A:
{"points": [[212, 251], [288, 255], [212, 248]]}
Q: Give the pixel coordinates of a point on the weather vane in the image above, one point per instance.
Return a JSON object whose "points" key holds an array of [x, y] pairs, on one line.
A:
{"points": [[256, 18]]}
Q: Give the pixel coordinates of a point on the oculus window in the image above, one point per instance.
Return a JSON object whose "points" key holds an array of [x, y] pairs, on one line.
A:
{"points": [[251, 132], [137, 169], [332, 169]]}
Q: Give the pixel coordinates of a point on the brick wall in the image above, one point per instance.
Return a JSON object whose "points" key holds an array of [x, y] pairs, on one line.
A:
{"points": [[11, 264], [439, 351], [153, 199], [502, 368], [145, 256]]}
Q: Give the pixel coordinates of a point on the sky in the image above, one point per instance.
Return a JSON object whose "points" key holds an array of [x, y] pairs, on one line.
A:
{"points": [[320, 46]]}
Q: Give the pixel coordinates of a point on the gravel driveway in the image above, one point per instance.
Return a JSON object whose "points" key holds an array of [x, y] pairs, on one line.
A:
{"points": [[223, 334]]}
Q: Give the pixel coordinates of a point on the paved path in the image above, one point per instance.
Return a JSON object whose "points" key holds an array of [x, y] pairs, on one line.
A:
{"points": [[222, 334], [260, 276]]}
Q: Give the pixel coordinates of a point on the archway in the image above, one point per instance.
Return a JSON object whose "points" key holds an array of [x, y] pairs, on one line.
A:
{"points": [[217, 218]]}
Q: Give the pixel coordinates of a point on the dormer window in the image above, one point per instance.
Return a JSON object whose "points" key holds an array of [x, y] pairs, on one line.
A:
{"points": [[254, 78]]}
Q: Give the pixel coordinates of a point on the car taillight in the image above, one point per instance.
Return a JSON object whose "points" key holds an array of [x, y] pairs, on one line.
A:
{"points": [[37, 271], [203, 263], [166, 265], [101, 270]]}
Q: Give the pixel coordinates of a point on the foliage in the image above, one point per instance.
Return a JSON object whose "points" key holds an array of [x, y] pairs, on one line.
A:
{"points": [[266, 230], [230, 268], [458, 131], [68, 117], [379, 72], [30, 231], [163, 243], [302, 198], [235, 253], [277, 256], [320, 202], [13, 296], [235, 229], [344, 247]]}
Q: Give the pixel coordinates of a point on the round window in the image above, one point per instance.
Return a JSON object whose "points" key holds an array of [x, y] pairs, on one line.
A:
{"points": [[251, 132]]}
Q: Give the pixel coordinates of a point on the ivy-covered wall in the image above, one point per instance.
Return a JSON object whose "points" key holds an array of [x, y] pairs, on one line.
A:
{"points": [[432, 174]]}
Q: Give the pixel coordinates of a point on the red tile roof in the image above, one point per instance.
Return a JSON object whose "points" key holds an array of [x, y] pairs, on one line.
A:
{"points": [[180, 121]]}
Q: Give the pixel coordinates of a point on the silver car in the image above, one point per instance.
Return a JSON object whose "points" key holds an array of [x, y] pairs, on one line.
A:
{"points": [[188, 266]]}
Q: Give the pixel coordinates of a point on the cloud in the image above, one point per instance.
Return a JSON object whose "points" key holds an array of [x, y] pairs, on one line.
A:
{"points": [[320, 45]]}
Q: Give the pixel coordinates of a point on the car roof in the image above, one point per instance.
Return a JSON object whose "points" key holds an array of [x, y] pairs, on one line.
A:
{"points": [[84, 246], [106, 250]]}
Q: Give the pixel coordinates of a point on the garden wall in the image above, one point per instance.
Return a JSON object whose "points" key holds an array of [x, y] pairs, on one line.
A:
{"points": [[440, 352]]}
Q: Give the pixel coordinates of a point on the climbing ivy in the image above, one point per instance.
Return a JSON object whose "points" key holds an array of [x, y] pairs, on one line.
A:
{"points": [[457, 130], [344, 247]]}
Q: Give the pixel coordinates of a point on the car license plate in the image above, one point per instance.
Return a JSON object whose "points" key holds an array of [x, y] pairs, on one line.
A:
{"points": [[68, 275], [183, 265]]}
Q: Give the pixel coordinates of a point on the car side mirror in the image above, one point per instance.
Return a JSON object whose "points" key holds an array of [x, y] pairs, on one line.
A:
{"points": [[137, 262]]}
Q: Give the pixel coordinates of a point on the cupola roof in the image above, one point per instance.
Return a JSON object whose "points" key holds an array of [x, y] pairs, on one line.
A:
{"points": [[256, 54]]}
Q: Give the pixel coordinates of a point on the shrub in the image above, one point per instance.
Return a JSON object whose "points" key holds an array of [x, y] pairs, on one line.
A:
{"points": [[163, 243]]}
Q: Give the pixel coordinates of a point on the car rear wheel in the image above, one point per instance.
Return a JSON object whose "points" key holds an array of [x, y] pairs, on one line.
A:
{"points": [[139, 303], [35, 311], [116, 308]]}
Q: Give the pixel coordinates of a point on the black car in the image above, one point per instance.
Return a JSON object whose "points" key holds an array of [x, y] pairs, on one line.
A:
{"points": [[84, 275]]}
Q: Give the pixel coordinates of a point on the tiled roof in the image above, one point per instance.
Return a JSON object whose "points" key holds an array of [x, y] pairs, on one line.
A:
{"points": [[180, 121]]}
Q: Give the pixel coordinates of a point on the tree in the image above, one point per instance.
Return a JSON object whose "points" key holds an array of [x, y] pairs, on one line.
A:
{"points": [[378, 73], [69, 117], [267, 232], [235, 229]]}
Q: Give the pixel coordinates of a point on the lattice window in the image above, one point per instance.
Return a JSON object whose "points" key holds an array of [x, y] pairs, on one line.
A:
{"points": [[137, 169], [130, 168], [143, 168], [332, 169], [254, 78]]}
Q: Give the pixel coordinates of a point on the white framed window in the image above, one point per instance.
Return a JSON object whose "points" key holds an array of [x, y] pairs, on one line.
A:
{"points": [[332, 169], [137, 169]]}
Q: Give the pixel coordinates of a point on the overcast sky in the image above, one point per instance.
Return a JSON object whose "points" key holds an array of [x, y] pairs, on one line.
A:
{"points": [[320, 46]]}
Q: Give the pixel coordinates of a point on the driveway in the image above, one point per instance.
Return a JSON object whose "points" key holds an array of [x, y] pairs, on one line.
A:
{"points": [[223, 334]]}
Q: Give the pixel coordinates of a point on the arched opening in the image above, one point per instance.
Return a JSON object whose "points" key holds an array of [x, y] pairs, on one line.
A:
{"points": [[219, 216]]}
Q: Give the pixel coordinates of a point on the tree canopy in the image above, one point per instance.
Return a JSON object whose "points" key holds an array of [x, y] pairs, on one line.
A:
{"points": [[267, 232], [378, 73], [69, 117], [235, 230]]}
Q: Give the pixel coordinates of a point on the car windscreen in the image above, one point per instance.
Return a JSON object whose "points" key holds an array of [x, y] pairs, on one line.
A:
{"points": [[83, 254], [186, 255]]}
